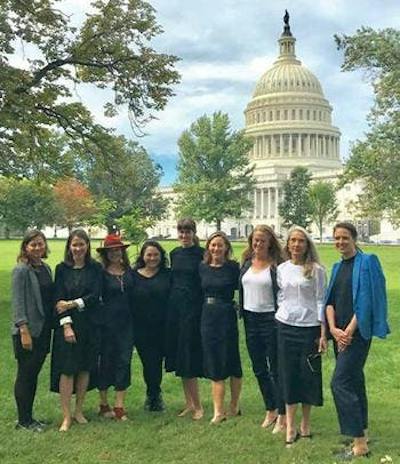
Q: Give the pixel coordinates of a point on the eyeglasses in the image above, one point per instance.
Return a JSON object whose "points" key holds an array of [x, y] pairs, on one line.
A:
{"points": [[312, 357]]}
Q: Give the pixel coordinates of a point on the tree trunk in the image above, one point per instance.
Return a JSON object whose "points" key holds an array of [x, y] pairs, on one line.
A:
{"points": [[218, 224]]}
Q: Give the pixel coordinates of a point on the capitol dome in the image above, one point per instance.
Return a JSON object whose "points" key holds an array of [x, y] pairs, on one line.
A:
{"points": [[289, 117]]}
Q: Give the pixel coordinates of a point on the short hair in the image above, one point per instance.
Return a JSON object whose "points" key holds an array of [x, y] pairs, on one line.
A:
{"points": [[30, 235], [349, 227], [188, 224], [151, 243], [310, 256], [274, 250], [80, 233], [229, 249]]}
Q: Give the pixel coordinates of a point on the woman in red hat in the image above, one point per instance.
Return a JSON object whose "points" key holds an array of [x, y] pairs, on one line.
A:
{"points": [[116, 326]]}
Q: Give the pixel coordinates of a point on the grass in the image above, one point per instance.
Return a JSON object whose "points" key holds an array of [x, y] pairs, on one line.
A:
{"points": [[164, 438]]}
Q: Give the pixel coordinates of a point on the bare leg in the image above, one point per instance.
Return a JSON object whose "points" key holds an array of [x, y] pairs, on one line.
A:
{"points": [[290, 422], [236, 388], [305, 427], [192, 388], [66, 387], [270, 418], [103, 397], [360, 446], [120, 398], [82, 381], [218, 395], [189, 407]]}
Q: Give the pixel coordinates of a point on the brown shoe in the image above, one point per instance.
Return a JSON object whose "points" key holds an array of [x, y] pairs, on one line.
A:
{"points": [[120, 414], [105, 411]]}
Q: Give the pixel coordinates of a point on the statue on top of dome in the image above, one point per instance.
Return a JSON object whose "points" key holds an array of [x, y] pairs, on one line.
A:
{"points": [[286, 18], [286, 29]]}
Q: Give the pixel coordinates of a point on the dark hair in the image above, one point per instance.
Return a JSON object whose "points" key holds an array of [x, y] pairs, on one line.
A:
{"points": [[229, 249], [106, 262], [80, 233], [274, 249], [188, 224], [30, 235], [163, 255]]}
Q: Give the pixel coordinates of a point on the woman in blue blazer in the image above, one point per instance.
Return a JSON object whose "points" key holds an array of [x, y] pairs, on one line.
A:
{"points": [[356, 310]]}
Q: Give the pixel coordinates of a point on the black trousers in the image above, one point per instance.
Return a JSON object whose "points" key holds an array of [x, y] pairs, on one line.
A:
{"points": [[261, 341], [149, 343], [348, 387], [29, 365]]}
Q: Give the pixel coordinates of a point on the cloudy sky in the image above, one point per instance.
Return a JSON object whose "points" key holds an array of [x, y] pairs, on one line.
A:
{"points": [[226, 45]]}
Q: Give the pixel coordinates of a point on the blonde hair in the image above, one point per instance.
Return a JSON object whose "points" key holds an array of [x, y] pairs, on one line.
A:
{"points": [[229, 249], [310, 256], [274, 248]]}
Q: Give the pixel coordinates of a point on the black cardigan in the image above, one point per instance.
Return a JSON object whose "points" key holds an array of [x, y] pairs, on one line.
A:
{"points": [[246, 265]]}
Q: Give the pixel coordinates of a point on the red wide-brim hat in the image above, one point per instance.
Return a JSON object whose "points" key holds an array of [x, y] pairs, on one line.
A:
{"points": [[112, 241]]}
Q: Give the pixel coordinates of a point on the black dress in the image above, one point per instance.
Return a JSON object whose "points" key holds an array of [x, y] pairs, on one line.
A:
{"points": [[150, 299], [72, 358], [219, 328], [183, 340], [116, 332]]}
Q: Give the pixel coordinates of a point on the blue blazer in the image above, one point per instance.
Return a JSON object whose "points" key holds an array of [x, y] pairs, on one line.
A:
{"points": [[369, 295]]}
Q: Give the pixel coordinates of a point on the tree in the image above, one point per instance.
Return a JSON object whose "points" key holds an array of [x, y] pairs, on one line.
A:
{"points": [[130, 183], [25, 204], [295, 208], [109, 51], [134, 225], [323, 204], [76, 203], [376, 159], [214, 174]]}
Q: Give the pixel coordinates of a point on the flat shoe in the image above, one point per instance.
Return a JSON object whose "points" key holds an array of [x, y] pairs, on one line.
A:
{"points": [[309, 436], [348, 455], [266, 425], [290, 443], [234, 414], [197, 415], [218, 419], [184, 412]]}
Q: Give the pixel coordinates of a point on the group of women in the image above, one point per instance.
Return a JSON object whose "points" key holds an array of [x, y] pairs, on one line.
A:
{"points": [[185, 315]]}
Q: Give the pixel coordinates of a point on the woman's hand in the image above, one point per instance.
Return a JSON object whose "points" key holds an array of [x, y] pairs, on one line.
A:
{"points": [[69, 334], [323, 345], [63, 306], [26, 339]]}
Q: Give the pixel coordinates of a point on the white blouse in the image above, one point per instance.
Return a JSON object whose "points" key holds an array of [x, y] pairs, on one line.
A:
{"points": [[258, 296], [300, 300]]}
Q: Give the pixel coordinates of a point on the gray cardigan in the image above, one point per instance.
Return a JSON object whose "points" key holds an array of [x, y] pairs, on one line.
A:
{"points": [[27, 306]]}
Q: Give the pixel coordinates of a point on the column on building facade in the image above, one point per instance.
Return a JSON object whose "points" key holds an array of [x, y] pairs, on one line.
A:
{"points": [[255, 204], [261, 203], [268, 202], [324, 146], [281, 145], [290, 145], [299, 141], [276, 202]]}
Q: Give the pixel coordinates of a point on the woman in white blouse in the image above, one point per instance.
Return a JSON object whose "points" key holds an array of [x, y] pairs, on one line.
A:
{"points": [[301, 332]]}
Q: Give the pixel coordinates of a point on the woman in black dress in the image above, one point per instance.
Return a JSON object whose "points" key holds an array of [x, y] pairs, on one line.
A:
{"points": [[151, 284], [258, 303], [76, 339], [219, 330], [116, 326], [32, 306], [184, 353]]}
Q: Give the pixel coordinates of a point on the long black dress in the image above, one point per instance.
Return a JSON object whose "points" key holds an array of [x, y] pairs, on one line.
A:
{"points": [[183, 340], [116, 331], [219, 328], [150, 300], [72, 358]]}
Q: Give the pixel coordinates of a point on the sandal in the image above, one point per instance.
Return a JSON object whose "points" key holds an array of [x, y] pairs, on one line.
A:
{"points": [[105, 411], [120, 414], [290, 443]]}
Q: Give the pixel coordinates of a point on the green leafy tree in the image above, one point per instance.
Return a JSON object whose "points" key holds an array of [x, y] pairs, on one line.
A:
{"points": [[214, 174], [323, 204], [295, 208], [110, 51], [376, 159], [134, 225], [25, 204]]}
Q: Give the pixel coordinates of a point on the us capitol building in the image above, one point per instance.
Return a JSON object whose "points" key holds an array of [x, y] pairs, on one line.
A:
{"points": [[290, 120]]}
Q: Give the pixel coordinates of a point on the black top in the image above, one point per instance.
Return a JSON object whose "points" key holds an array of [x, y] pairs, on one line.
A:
{"points": [[79, 283], [150, 297], [219, 282], [117, 299], [185, 268], [341, 296], [46, 289]]}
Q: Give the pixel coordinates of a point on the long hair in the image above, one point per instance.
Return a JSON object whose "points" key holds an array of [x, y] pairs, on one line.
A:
{"points": [[151, 243], [229, 249], [274, 248], [80, 233], [310, 257], [23, 256], [350, 228], [188, 224], [106, 262]]}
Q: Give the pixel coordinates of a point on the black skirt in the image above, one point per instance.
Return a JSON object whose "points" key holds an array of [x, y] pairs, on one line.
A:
{"points": [[220, 341], [299, 364], [183, 340]]}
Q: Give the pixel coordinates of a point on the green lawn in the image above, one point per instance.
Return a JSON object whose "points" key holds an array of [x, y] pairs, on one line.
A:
{"points": [[164, 438]]}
